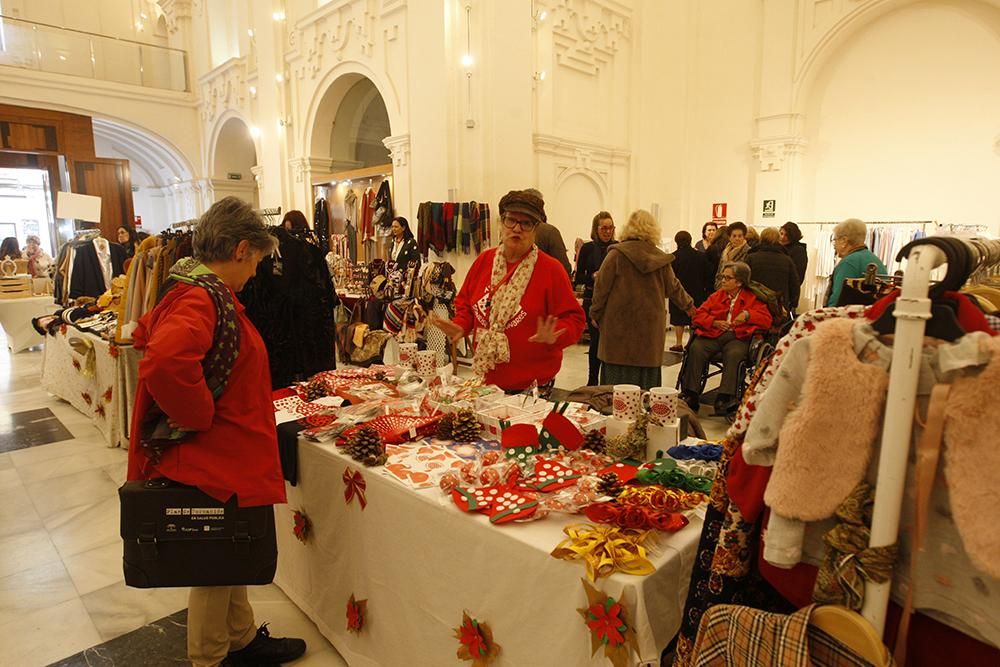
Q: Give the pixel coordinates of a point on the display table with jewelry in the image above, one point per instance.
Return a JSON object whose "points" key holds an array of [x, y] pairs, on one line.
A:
{"points": [[411, 530]]}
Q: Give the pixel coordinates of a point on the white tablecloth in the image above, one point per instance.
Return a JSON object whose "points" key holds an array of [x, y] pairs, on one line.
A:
{"points": [[420, 562], [15, 318], [92, 384]]}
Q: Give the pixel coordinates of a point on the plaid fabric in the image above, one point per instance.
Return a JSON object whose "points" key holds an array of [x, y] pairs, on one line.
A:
{"points": [[736, 636]]}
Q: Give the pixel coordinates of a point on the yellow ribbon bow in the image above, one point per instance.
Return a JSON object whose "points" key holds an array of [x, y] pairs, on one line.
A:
{"points": [[606, 549]]}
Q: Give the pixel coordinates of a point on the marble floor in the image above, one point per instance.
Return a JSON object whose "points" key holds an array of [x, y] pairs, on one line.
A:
{"points": [[61, 588]]}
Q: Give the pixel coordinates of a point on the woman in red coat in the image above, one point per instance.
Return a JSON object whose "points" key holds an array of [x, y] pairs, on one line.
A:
{"points": [[724, 323], [203, 414], [519, 302]]}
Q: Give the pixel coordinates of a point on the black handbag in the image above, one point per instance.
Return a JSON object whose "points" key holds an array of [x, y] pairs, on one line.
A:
{"points": [[176, 535]]}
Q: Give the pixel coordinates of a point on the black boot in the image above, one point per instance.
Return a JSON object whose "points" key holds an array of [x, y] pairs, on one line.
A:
{"points": [[266, 651], [723, 402]]}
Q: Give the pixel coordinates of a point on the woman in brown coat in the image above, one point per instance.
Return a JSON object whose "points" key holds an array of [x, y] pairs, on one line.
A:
{"points": [[629, 305]]}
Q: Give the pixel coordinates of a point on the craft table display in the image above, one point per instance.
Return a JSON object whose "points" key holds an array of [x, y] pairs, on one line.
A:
{"points": [[418, 563], [84, 370], [15, 318]]}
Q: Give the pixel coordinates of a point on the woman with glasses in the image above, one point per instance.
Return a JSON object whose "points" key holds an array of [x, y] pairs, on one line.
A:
{"points": [[519, 304], [849, 242], [592, 254], [724, 323]]}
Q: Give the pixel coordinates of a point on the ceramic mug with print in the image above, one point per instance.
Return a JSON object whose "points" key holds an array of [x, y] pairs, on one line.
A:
{"points": [[662, 404], [408, 354], [627, 401], [426, 362]]}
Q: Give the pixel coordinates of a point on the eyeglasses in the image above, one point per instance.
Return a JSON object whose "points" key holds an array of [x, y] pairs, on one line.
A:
{"points": [[510, 223], [725, 277], [606, 228]]}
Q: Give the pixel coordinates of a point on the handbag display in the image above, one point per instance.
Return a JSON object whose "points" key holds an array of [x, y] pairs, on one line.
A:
{"points": [[176, 535]]}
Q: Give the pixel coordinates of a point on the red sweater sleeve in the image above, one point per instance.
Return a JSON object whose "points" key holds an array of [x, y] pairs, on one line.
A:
{"points": [[171, 366], [706, 313], [760, 316], [564, 306]]}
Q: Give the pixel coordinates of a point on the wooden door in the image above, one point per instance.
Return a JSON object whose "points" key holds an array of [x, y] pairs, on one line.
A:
{"points": [[111, 180]]}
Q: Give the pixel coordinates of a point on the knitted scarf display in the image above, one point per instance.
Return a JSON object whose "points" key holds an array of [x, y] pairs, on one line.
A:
{"points": [[157, 434], [492, 346]]}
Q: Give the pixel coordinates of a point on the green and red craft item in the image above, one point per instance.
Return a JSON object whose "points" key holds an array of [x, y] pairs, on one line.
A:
{"points": [[550, 475], [558, 431], [607, 621], [625, 472], [356, 611], [301, 526], [475, 642], [501, 504], [354, 487], [519, 441], [664, 471]]}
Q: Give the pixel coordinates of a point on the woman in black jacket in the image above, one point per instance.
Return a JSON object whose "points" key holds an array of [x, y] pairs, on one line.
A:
{"points": [[715, 249], [771, 266], [592, 254], [404, 247], [695, 272], [791, 238]]}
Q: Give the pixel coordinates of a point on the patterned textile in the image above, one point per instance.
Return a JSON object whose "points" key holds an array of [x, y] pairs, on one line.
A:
{"points": [[734, 636], [157, 434]]}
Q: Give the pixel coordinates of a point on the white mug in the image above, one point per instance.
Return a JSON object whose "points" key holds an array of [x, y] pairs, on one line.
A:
{"points": [[408, 354], [426, 362], [663, 404], [627, 401]]}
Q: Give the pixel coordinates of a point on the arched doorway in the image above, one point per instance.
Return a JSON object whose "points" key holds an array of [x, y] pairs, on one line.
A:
{"points": [[348, 138], [233, 160]]}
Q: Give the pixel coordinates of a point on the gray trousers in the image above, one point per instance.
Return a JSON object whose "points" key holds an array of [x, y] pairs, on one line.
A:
{"points": [[702, 350]]}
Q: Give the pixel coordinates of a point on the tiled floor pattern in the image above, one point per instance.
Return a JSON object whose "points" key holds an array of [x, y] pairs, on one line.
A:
{"points": [[61, 586]]}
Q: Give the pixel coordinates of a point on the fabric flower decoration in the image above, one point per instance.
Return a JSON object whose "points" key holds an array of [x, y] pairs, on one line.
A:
{"points": [[605, 617], [356, 610], [475, 641], [302, 527]]}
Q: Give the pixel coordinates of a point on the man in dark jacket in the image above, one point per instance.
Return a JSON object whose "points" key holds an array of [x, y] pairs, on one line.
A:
{"points": [[771, 266], [549, 240]]}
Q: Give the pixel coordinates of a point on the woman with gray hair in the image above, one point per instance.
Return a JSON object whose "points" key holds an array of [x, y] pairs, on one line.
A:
{"points": [[849, 243], [203, 414], [724, 323], [629, 305]]}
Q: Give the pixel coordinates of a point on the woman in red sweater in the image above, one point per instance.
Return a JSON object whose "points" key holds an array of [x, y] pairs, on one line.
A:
{"points": [[724, 323], [203, 414], [519, 302]]}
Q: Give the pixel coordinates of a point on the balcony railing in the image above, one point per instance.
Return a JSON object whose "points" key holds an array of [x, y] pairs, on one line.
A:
{"points": [[48, 48]]}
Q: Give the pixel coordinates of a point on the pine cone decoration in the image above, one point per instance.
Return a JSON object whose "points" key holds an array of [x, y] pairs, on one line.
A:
{"points": [[365, 445], [316, 388], [594, 441], [609, 485], [445, 428], [465, 426]]}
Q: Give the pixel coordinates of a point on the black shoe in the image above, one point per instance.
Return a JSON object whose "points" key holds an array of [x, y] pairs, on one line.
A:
{"points": [[723, 403], [265, 651]]}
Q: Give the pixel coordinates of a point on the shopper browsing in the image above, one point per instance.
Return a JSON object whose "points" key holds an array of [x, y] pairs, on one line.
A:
{"points": [[518, 302], [629, 305], [592, 254], [849, 242], [708, 231], [724, 323], [203, 414], [735, 251]]}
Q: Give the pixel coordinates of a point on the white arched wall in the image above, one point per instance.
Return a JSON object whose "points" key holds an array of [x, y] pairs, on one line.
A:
{"points": [[902, 122], [578, 197], [233, 150]]}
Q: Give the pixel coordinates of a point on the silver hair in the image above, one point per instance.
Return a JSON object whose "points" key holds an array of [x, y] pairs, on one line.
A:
{"points": [[741, 271], [853, 230], [643, 226], [221, 228]]}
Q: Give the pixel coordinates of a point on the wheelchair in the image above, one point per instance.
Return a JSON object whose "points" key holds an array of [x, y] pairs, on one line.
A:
{"points": [[762, 345]]}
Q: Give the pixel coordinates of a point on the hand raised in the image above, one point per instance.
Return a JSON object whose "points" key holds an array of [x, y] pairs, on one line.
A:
{"points": [[547, 332]]}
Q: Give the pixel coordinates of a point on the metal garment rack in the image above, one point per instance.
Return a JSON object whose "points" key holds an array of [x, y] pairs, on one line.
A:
{"points": [[912, 311]]}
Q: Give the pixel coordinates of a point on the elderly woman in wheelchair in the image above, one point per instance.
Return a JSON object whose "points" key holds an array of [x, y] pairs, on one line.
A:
{"points": [[723, 326]]}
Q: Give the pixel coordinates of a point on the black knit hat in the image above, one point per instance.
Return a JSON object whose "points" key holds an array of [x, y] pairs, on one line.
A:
{"points": [[524, 202]]}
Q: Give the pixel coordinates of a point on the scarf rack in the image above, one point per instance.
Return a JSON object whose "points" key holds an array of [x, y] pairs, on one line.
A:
{"points": [[913, 309]]}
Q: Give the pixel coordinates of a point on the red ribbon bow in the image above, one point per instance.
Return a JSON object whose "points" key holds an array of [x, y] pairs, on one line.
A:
{"points": [[355, 482]]}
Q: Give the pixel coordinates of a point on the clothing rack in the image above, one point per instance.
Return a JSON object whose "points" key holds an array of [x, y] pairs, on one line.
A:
{"points": [[912, 311], [270, 214], [184, 223], [869, 222]]}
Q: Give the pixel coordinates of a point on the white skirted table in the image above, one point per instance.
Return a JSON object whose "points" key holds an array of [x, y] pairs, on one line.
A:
{"points": [[94, 377], [420, 562], [15, 318]]}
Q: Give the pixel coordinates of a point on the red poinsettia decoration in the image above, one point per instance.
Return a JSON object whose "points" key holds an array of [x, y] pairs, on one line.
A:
{"points": [[108, 393], [605, 617], [302, 527], [114, 351], [476, 643], [100, 412], [356, 610]]}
